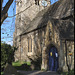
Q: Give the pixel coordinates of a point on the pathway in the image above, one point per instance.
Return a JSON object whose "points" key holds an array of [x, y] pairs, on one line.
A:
{"points": [[38, 73]]}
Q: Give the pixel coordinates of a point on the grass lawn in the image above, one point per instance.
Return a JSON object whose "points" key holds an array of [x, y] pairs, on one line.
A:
{"points": [[21, 65], [18, 63]]}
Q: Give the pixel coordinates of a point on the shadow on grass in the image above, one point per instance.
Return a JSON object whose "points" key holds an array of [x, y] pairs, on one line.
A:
{"points": [[71, 72], [24, 67], [27, 66]]}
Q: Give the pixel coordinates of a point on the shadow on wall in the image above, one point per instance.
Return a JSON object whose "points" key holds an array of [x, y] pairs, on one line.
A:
{"points": [[36, 63]]}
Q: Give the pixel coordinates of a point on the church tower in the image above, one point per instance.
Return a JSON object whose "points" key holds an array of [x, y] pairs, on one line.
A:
{"points": [[27, 10]]}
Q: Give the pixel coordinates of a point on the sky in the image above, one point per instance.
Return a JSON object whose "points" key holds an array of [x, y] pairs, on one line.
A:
{"points": [[8, 26]]}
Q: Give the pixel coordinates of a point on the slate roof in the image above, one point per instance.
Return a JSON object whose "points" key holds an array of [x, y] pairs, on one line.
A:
{"points": [[65, 28], [60, 13]]}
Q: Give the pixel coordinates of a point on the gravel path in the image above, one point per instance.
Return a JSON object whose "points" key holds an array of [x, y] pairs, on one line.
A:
{"points": [[38, 73]]}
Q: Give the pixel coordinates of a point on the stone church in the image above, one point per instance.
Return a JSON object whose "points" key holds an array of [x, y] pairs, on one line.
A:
{"points": [[45, 31]]}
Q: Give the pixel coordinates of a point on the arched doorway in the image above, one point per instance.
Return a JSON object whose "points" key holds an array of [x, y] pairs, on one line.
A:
{"points": [[53, 59]]}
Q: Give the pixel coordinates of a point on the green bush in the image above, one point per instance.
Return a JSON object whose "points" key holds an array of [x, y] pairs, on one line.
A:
{"points": [[2, 73], [68, 73], [7, 55], [71, 72]]}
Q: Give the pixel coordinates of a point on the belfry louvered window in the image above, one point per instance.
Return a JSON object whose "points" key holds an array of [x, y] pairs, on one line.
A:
{"points": [[37, 2]]}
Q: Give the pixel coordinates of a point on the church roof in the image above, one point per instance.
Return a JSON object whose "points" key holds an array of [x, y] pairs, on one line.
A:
{"points": [[60, 13], [65, 28]]}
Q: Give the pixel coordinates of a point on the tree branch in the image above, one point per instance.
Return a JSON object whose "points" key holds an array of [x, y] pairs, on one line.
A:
{"points": [[4, 17], [4, 14], [1, 4]]}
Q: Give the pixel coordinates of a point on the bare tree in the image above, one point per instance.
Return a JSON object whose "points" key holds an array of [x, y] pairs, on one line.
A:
{"points": [[4, 11]]}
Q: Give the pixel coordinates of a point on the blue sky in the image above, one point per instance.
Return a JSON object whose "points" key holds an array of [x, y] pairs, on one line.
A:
{"points": [[53, 1], [44, 3], [8, 26]]}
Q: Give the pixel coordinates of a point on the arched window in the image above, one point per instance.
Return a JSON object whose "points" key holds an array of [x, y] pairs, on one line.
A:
{"points": [[29, 45]]}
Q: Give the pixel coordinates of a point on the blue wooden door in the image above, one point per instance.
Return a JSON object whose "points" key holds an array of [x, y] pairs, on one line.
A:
{"points": [[53, 59]]}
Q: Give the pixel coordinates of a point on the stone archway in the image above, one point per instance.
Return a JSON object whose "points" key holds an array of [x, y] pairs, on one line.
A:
{"points": [[45, 55]]}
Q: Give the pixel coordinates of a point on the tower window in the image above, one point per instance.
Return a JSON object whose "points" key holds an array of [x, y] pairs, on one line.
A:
{"points": [[44, 3], [37, 2]]}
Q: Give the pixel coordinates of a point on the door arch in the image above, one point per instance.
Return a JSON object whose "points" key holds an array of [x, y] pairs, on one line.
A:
{"points": [[53, 59]]}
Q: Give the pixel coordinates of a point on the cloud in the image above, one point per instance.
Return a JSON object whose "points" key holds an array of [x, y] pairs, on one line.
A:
{"points": [[10, 42]]}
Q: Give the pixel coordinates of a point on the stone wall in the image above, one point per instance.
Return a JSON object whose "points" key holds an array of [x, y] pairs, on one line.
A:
{"points": [[39, 43], [28, 11], [32, 45], [68, 60], [70, 54], [51, 39]]}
